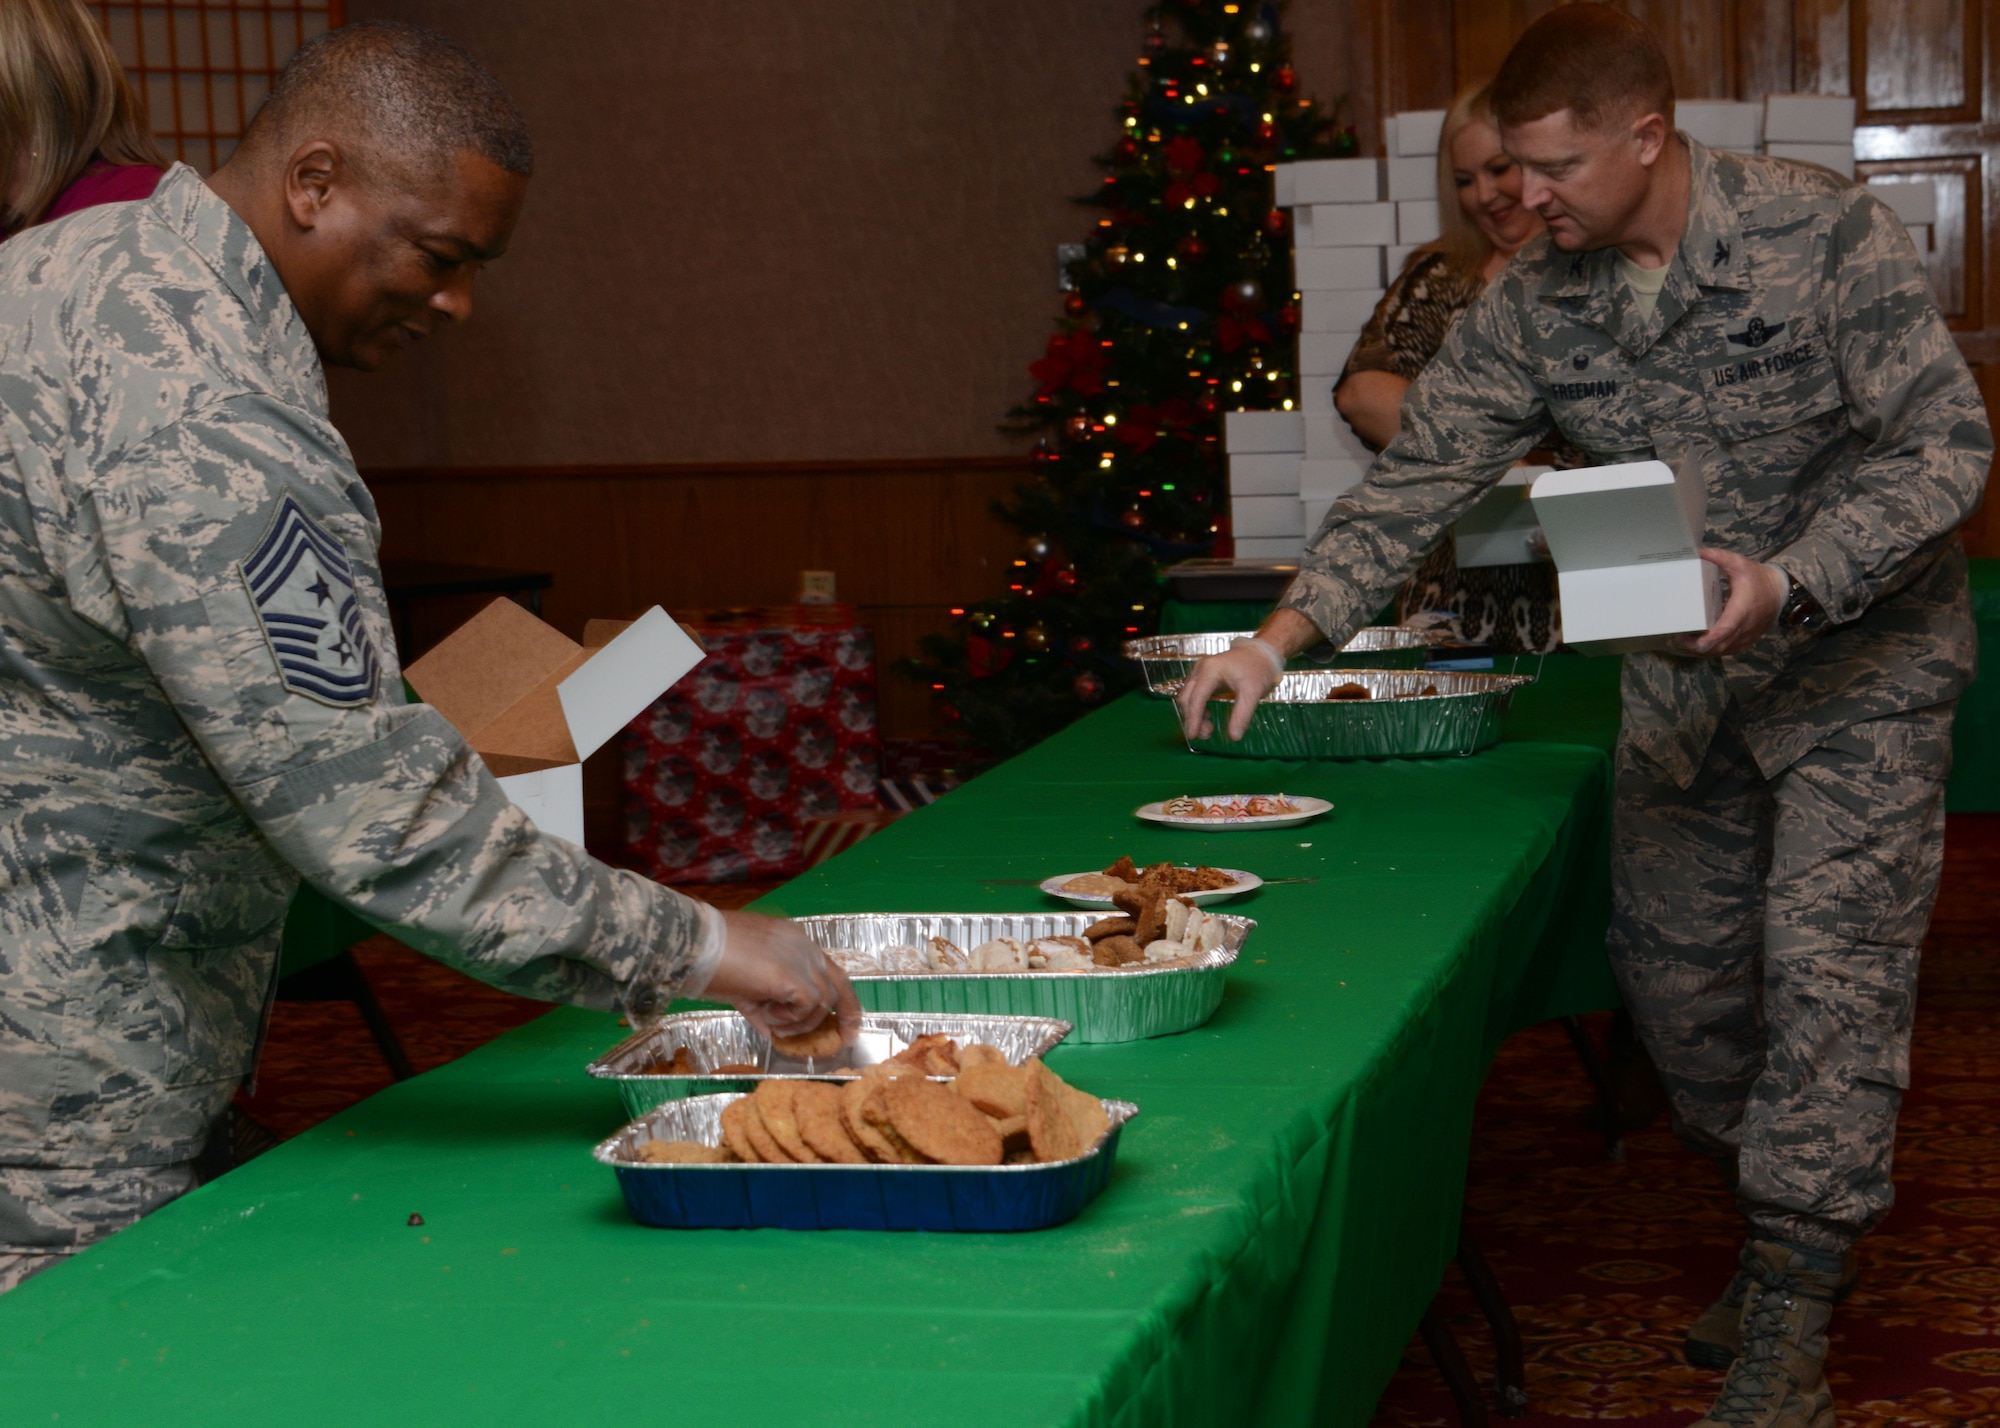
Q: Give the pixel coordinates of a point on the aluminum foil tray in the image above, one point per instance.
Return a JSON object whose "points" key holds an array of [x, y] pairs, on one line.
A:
{"points": [[1167, 659], [1298, 721], [1109, 1004], [978, 1198], [724, 1038]]}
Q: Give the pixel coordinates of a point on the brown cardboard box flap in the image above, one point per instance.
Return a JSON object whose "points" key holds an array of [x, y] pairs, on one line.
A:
{"points": [[494, 678]]}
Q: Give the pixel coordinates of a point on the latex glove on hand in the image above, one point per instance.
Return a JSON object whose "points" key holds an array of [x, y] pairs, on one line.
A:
{"points": [[779, 978], [1250, 668]]}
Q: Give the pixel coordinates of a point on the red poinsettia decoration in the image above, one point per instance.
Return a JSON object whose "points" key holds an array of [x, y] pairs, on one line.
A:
{"points": [[1144, 425], [1184, 160], [1232, 332], [983, 658], [1074, 360]]}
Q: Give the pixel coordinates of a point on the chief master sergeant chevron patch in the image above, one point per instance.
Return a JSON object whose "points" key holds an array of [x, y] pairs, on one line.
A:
{"points": [[303, 589]]}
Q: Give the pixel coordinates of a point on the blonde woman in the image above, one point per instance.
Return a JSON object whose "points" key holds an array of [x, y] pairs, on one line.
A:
{"points": [[1512, 607], [71, 135]]}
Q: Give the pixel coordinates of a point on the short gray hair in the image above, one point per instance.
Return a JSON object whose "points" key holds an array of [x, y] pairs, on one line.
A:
{"points": [[407, 94]]}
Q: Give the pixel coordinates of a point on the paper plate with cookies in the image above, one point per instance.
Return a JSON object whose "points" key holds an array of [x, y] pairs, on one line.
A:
{"points": [[1198, 885]]}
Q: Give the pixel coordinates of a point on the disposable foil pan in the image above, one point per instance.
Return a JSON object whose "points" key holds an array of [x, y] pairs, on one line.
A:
{"points": [[1398, 721], [722, 1038], [980, 1198], [1167, 659], [1106, 1004]]}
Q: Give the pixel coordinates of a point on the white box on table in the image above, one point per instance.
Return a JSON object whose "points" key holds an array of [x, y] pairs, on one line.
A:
{"points": [[1415, 177], [1496, 530], [1274, 473], [1265, 516], [1336, 181], [1397, 257], [1352, 225], [534, 704], [1337, 309], [1315, 397], [1270, 547], [1323, 480], [1249, 432], [1417, 222], [1838, 157], [1417, 132], [1324, 354], [1809, 119], [1330, 438], [1913, 198], [1312, 510], [1337, 268], [1626, 541], [1722, 123], [1284, 192]]}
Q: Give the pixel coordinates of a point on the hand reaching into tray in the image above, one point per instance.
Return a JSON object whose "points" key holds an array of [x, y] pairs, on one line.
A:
{"points": [[780, 979], [1250, 669]]}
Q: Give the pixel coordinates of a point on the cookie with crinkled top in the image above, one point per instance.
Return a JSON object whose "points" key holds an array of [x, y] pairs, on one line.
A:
{"points": [[774, 1108], [854, 1101], [1000, 1091], [822, 1040], [1050, 1130], [684, 1152], [816, 1106], [734, 1135]]}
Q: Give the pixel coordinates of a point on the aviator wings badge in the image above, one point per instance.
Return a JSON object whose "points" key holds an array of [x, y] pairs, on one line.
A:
{"points": [[1756, 333], [303, 588]]}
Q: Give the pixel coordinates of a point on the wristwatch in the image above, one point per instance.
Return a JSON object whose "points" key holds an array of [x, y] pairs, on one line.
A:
{"points": [[1800, 611]]}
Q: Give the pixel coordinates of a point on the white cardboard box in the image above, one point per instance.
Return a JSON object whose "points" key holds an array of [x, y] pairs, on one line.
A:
{"points": [[1274, 473], [1496, 530], [1246, 432], [1266, 516], [1270, 547], [1415, 177], [1417, 131], [1330, 438], [1394, 258], [534, 704], [1920, 236], [1416, 222], [1809, 119], [1838, 157], [1316, 397], [1352, 225], [1626, 541], [1324, 354], [1338, 309], [1914, 198], [1722, 123], [1337, 181], [1337, 268], [1312, 511], [1323, 480], [1284, 186]]}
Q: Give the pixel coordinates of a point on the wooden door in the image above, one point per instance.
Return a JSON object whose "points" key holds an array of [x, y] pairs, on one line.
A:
{"points": [[1925, 75]]}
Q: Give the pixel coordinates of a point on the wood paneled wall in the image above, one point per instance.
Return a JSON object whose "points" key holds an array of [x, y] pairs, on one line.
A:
{"points": [[906, 541]]}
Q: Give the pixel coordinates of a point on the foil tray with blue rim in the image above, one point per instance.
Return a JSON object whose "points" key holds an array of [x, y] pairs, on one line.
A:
{"points": [[1103, 1004], [725, 1038], [1410, 714], [953, 1198], [1165, 660]]}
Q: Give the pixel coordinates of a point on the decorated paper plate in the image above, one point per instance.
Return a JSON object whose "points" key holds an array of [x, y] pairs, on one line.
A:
{"points": [[1225, 811], [1241, 883]]}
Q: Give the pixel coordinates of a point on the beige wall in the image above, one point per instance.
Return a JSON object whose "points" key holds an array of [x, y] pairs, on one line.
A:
{"points": [[765, 230]]}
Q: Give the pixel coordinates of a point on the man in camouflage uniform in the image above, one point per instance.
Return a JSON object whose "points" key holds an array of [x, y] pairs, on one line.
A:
{"points": [[1779, 780], [200, 699]]}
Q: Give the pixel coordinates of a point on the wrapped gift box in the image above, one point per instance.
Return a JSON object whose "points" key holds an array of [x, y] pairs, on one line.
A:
{"points": [[775, 728]]}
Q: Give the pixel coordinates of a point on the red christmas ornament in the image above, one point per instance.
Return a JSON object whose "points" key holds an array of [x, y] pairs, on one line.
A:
{"points": [[1088, 687], [1285, 80], [1127, 150], [1065, 579], [1276, 222], [1075, 305], [1077, 428], [1191, 249]]}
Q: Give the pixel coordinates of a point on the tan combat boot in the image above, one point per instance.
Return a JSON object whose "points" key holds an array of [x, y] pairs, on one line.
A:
{"points": [[1716, 1338], [1779, 1379]]}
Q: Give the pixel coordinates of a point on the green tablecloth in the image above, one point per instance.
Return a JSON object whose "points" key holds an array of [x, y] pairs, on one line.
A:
{"points": [[1281, 1212]]}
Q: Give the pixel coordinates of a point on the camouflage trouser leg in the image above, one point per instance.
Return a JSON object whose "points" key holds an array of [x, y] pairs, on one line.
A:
{"points": [[1765, 934], [49, 1214]]}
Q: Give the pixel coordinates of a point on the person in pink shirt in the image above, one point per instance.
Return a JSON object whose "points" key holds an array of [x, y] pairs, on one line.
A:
{"points": [[71, 135]]}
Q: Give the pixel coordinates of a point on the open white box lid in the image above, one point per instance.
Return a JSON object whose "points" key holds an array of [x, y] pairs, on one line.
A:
{"points": [[1633, 513], [527, 697]]}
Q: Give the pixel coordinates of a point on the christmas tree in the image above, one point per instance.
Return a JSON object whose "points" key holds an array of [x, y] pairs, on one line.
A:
{"points": [[1180, 307]]}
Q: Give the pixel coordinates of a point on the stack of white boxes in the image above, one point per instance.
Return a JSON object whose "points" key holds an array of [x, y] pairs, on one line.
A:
{"points": [[1354, 224]]}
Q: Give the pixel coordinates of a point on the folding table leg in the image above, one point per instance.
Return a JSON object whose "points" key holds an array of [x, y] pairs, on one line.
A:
{"points": [[1510, 1380], [1450, 1361]]}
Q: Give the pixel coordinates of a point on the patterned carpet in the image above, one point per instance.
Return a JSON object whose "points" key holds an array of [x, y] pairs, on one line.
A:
{"points": [[1606, 1263]]}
